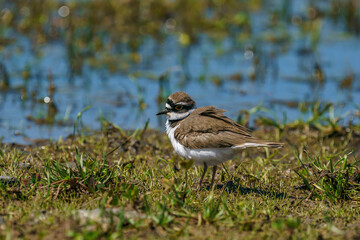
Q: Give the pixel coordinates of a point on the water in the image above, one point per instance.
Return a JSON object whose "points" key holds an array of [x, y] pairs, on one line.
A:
{"points": [[257, 72]]}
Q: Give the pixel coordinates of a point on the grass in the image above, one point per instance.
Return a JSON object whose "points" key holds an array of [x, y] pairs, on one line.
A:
{"points": [[130, 184]]}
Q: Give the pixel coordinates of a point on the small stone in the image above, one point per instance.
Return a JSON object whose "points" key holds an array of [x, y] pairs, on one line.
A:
{"points": [[99, 215], [72, 165], [24, 165], [7, 180]]}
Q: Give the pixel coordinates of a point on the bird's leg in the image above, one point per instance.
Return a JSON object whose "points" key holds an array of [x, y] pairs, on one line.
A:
{"points": [[213, 175], [202, 177]]}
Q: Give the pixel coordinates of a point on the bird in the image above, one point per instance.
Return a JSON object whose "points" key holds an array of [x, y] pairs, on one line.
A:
{"points": [[205, 134]]}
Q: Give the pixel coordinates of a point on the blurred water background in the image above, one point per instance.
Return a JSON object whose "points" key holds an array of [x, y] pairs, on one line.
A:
{"points": [[119, 60]]}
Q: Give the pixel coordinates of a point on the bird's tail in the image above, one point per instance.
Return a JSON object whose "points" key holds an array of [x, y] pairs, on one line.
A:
{"points": [[273, 144], [259, 143]]}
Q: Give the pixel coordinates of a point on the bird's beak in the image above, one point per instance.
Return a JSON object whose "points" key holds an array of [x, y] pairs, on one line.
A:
{"points": [[165, 111]]}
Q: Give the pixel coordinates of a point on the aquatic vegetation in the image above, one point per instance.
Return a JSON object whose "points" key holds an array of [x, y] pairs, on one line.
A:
{"points": [[49, 48]]}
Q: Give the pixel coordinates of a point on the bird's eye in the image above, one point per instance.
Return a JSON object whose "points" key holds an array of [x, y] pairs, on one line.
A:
{"points": [[179, 107]]}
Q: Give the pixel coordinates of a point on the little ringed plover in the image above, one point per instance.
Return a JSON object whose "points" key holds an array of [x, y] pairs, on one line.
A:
{"points": [[205, 134]]}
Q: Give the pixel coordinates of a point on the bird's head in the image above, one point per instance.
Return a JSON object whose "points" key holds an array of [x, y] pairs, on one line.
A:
{"points": [[178, 106]]}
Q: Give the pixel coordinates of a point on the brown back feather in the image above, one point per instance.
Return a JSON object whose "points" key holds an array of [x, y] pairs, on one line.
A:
{"points": [[208, 127]]}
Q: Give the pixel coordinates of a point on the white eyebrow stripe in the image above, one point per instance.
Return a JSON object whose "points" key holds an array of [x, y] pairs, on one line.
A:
{"points": [[167, 105], [183, 103]]}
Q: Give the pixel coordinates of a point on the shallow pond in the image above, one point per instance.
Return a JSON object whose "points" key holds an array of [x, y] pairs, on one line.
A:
{"points": [[277, 66]]}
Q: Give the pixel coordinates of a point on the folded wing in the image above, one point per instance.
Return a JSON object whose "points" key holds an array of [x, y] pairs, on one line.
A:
{"points": [[208, 127]]}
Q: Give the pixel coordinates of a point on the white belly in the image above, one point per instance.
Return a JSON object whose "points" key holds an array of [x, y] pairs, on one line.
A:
{"points": [[210, 156]]}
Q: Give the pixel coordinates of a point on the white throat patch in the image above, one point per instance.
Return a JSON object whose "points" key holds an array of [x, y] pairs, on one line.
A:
{"points": [[172, 116]]}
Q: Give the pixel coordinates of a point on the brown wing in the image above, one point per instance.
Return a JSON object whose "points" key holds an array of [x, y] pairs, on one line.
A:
{"points": [[208, 127]]}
